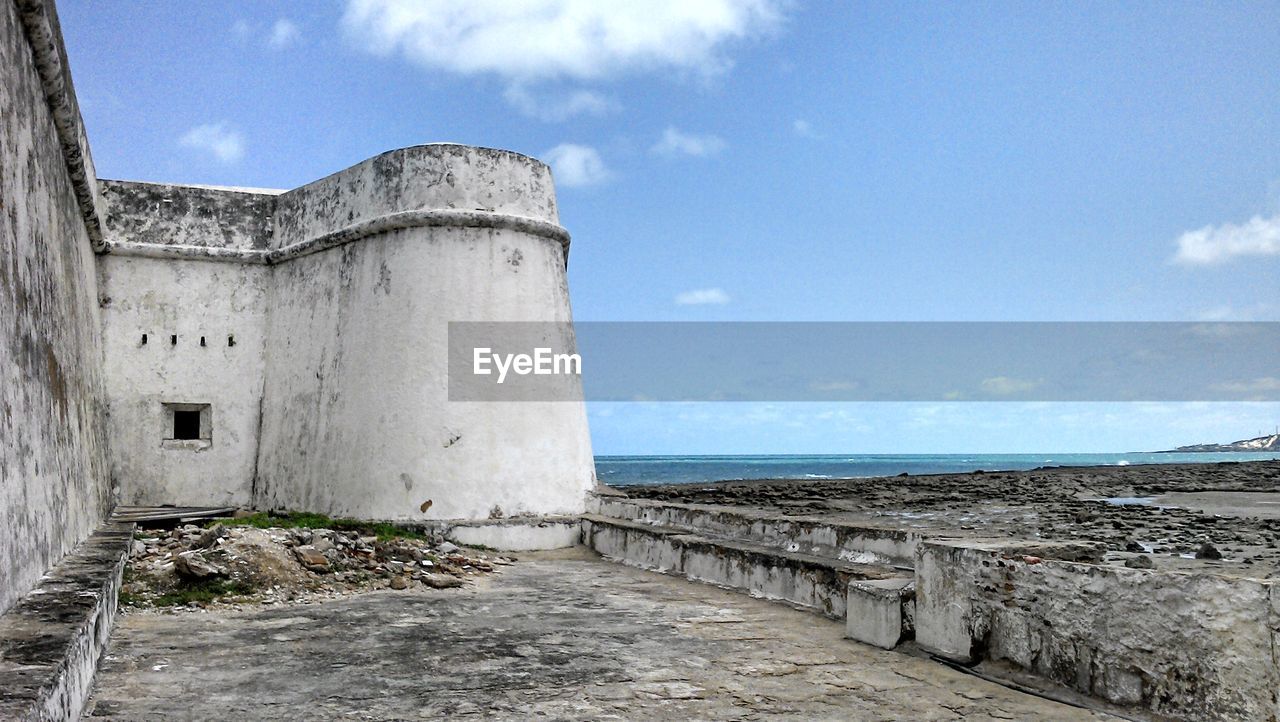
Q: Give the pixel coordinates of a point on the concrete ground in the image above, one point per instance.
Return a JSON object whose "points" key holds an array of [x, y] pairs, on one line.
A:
{"points": [[559, 636]]}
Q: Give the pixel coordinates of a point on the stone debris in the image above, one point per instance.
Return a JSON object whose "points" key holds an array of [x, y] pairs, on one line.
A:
{"points": [[1208, 551], [311, 559], [191, 566], [441, 581], [1142, 561], [210, 536]]}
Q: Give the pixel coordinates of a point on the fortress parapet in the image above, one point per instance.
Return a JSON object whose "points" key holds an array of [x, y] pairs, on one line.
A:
{"points": [[302, 337]]}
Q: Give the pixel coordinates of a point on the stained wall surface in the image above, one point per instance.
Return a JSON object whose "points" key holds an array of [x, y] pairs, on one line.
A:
{"points": [[53, 456], [309, 327], [203, 322], [356, 416], [1183, 645], [334, 398], [184, 328]]}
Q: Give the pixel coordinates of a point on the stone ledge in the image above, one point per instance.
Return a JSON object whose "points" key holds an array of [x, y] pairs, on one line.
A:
{"points": [[44, 34], [848, 541], [50, 641], [438, 218], [812, 582], [519, 534]]}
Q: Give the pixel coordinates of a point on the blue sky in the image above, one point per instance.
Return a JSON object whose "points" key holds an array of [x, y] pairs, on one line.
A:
{"points": [[771, 160]]}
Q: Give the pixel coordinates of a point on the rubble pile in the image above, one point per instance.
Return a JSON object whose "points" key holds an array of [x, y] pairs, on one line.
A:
{"points": [[221, 564]]}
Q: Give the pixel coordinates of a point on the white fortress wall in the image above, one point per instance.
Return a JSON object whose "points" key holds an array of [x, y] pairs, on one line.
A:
{"points": [[53, 450], [204, 320], [324, 316], [356, 416], [188, 300]]}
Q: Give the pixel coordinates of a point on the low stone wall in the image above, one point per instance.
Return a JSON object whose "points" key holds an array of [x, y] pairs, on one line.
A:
{"points": [[51, 640], [806, 581], [1189, 646], [521, 534], [859, 543]]}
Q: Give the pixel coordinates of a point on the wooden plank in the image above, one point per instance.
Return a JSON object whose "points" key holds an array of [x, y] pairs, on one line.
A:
{"points": [[164, 513]]}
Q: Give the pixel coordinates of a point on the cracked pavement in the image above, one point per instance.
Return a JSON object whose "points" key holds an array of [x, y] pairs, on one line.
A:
{"points": [[558, 635]]}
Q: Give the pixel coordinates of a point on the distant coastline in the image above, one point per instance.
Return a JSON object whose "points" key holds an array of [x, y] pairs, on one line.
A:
{"points": [[1259, 443], [697, 469]]}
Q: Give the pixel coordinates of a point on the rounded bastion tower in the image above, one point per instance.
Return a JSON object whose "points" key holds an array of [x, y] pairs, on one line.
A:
{"points": [[326, 388]]}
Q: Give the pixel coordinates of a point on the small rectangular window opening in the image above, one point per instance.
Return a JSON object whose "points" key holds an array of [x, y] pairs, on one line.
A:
{"points": [[186, 424], [173, 340], [202, 340], [231, 340], [144, 339]]}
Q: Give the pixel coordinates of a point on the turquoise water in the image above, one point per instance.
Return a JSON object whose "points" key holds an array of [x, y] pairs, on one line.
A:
{"points": [[631, 470]]}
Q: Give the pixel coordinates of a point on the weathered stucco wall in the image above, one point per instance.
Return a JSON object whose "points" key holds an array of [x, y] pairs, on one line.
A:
{"points": [[1190, 646], [356, 416], [223, 304], [204, 319], [334, 397], [186, 216], [53, 454]]}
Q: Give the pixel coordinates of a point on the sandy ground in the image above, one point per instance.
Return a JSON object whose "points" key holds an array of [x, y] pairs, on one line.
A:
{"points": [[566, 636], [1165, 513]]}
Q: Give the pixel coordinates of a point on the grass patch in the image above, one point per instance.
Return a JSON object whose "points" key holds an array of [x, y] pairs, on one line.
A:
{"points": [[206, 591], [303, 520], [125, 599]]}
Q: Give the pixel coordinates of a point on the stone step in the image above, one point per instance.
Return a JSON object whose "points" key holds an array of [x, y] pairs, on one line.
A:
{"points": [[814, 582], [881, 612]]}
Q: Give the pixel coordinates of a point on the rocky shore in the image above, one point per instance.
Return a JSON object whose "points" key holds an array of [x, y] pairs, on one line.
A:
{"points": [[1224, 516]]}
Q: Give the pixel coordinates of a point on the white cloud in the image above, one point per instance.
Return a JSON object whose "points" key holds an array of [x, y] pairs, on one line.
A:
{"points": [[702, 297], [675, 142], [215, 139], [1212, 245], [1006, 386], [803, 128], [1262, 385], [554, 108], [834, 386], [283, 34], [241, 29], [1227, 312], [576, 165], [549, 39]]}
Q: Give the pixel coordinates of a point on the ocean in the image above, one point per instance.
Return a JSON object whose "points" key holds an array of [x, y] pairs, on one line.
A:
{"points": [[634, 470]]}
